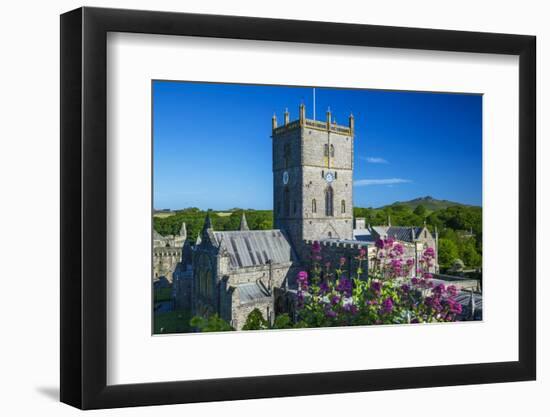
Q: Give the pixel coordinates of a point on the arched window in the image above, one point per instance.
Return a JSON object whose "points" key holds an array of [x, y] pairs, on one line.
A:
{"points": [[329, 234], [329, 201], [286, 202], [205, 277], [326, 150], [343, 206], [286, 154], [332, 151], [323, 174], [314, 206], [208, 275]]}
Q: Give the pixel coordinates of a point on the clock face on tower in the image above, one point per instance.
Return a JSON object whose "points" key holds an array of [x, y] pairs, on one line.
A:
{"points": [[329, 177], [285, 178]]}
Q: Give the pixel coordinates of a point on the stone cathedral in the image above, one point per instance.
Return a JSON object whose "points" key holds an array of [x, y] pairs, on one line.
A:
{"points": [[230, 273]]}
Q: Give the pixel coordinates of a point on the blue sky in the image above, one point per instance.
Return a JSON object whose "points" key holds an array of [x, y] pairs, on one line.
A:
{"points": [[212, 145]]}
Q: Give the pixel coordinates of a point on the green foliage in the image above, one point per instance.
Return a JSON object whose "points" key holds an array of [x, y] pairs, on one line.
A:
{"points": [[255, 321], [428, 202], [420, 210], [469, 254], [172, 322], [163, 294], [448, 252], [457, 265], [194, 219], [213, 323], [454, 223], [283, 321]]}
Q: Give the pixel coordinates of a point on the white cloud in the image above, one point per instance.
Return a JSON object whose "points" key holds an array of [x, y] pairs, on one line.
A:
{"points": [[373, 160], [381, 181]]}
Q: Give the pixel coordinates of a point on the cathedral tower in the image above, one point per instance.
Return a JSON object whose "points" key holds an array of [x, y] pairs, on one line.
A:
{"points": [[313, 178]]}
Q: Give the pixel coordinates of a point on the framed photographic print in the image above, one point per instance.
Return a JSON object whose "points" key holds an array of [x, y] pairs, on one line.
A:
{"points": [[257, 208]]}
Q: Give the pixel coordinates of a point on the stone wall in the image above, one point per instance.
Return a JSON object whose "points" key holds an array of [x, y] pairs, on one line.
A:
{"points": [[332, 252], [300, 151], [165, 261], [240, 311]]}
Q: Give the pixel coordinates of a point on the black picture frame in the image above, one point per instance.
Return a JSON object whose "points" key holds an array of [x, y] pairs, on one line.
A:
{"points": [[84, 207]]}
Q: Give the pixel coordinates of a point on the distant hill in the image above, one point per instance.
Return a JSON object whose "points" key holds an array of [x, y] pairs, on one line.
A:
{"points": [[428, 202]]}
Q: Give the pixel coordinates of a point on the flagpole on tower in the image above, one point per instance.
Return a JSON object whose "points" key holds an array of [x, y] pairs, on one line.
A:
{"points": [[313, 103]]}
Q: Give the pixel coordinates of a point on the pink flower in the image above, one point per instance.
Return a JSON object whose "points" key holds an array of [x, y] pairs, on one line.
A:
{"points": [[316, 247], [302, 279], [387, 306], [398, 248]]}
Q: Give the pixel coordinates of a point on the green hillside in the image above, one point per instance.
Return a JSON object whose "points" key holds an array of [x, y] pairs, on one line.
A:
{"points": [[428, 202]]}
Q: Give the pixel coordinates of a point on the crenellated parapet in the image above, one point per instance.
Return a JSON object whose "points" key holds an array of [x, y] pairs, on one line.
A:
{"points": [[329, 125], [339, 244]]}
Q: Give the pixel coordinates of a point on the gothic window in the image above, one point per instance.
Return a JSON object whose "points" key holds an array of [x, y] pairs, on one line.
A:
{"points": [[329, 234], [335, 175], [208, 283], [332, 151], [205, 277], [323, 174], [343, 206], [314, 206], [326, 149], [286, 202], [329, 201], [286, 154]]}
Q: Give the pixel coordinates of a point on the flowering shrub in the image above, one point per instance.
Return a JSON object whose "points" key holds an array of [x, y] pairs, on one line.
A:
{"points": [[387, 296]]}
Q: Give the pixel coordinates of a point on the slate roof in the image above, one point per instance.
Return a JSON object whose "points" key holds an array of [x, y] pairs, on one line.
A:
{"points": [[363, 235], [398, 232], [255, 247], [251, 292], [465, 298]]}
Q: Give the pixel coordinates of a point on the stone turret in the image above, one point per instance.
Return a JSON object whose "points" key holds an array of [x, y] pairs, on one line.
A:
{"points": [[244, 224], [183, 230], [287, 117], [351, 123], [302, 113], [274, 122]]}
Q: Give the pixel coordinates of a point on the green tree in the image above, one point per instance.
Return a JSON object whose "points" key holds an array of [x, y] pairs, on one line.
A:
{"points": [[448, 252], [213, 323], [420, 210], [255, 321], [469, 254]]}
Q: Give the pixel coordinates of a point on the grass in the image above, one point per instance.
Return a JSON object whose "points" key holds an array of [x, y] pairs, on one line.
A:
{"points": [[172, 322], [224, 213], [163, 294], [163, 215]]}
